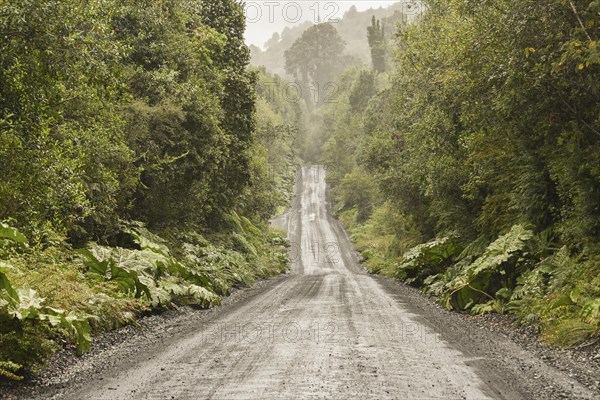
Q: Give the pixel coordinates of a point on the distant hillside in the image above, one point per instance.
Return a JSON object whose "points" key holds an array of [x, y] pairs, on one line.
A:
{"points": [[352, 27]]}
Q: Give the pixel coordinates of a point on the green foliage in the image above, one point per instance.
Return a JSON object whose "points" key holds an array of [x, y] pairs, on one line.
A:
{"points": [[130, 270], [363, 89], [59, 88], [454, 156], [364, 200], [25, 304], [8, 233], [105, 287], [275, 154], [25, 344], [237, 100], [427, 259], [590, 312], [23, 314], [382, 239], [314, 60], [148, 114], [192, 116], [10, 297], [494, 270], [560, 294], [570, 332], [151, 272], [10, 369]]}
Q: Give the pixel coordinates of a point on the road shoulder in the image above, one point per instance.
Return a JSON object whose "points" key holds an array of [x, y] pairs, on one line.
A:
{"points": [[129, 344], [497, 348]]}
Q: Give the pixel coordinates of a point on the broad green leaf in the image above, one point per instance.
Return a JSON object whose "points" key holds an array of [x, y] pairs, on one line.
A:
{"points": [[96, 259], [7, 292], [149, 241], [8, 232]]}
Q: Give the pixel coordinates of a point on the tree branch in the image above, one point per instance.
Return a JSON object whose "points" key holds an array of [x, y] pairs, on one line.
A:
{"points": [[579, 19]]}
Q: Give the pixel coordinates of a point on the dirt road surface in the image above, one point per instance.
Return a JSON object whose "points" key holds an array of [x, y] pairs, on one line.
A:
{"points": [[327, 330]]}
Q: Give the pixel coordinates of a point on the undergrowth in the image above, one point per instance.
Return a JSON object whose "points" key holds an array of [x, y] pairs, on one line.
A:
{"points": [[521, 273], [52, 295]]}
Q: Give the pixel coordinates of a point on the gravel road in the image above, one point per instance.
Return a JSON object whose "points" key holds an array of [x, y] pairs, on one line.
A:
{"points": [[327, 330]]}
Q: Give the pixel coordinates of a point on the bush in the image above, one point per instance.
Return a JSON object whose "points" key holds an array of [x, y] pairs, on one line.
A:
{"points": [[427, 259]]}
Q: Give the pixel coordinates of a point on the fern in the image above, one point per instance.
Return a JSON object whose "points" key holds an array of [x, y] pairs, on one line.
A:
{"points": [[590, 312], [243, 245], [25, 304], [569, 332], [9, 369], [481, 279]]}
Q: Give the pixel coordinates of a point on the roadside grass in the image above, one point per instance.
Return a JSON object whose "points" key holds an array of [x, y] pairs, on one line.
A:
{"points": [[52, 295]]}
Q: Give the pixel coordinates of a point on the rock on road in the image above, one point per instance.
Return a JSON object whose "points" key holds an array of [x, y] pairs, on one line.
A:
{"points": [[325, 330]]}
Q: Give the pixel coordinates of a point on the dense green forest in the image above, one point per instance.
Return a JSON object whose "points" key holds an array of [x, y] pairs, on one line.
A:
{"points": [[471, 167], [141, 161]]}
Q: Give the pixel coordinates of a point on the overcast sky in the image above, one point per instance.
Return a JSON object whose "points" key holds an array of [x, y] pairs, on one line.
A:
{"points": [[265, 17]]}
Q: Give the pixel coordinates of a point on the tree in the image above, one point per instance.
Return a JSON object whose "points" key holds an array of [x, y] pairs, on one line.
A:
{"points": [[362, 91], [273, 40], [315, 57], [62, 149], [238, 99], [376, 39]]}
